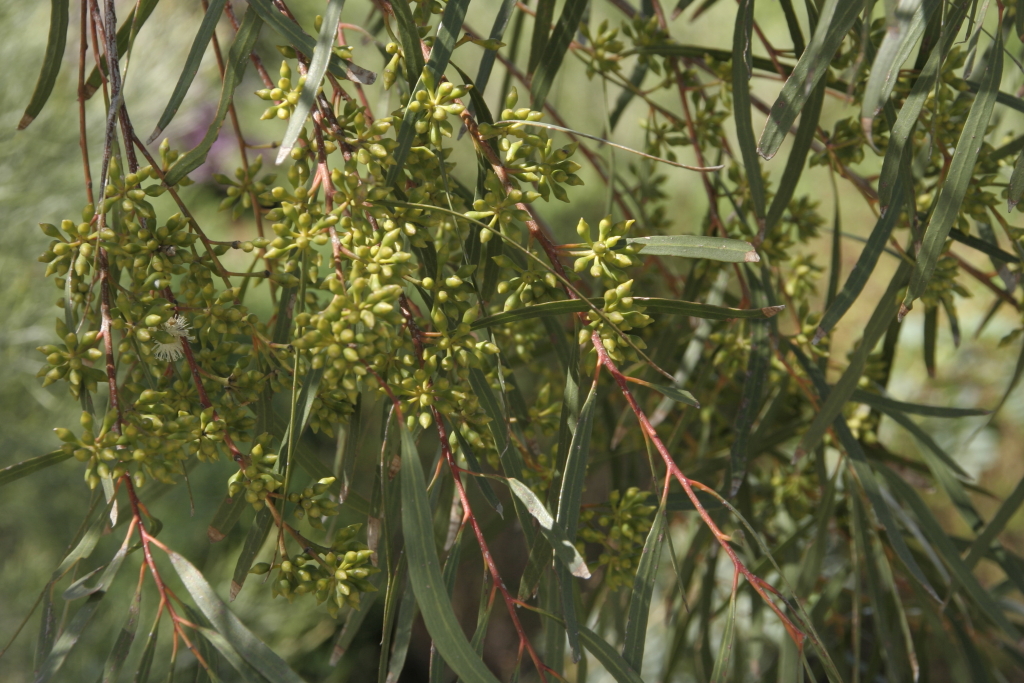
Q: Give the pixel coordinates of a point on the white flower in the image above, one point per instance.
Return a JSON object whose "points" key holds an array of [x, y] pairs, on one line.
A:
{"points": [[178, 328]]}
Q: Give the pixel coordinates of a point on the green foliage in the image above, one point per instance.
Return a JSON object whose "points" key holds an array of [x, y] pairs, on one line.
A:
{"points": [[405, 287]]}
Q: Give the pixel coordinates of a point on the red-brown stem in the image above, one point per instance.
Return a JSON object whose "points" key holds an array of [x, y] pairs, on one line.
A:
{"points": [[82, 137], [165, 594], [253, 57]]}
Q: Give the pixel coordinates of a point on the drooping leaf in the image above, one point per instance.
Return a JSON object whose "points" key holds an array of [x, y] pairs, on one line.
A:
{"points": [[1006, 511], [1016, 187], [544, 15], [564, 549], [741, 73], [146, 661], [123, 38], [251, 648], [24, 468], [253, 542], [758, 364], [123, 644], [52, 59], [698, 247], [410, 37], [643, 589], [225, 518], [961, 171], [425, 571], [68, 639], [188, 73], [611, 660], [447, 33], [884, 402], [674, 393], [837, 16], [314, 78], [234, 67], [304, 42], [483, 72], [554, 51], [905, 23]]}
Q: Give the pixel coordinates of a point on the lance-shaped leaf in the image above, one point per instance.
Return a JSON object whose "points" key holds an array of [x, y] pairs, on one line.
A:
{"points": [[569, 499], [758, 364], [304, 42], [905, 22], [52, 59], [1006, 511], [123, 644], [225, 518], [674, 393], [884, 403], [132, 22], [611, 660], [314, 77], [253, 542], [483, 72], [961, 171], [982, 599], [409, 34], [837, 16], [741, 72], [1016, 187], [565, 551], [195, 57], [643, 589], [697, 246], [69, 638], [26, 467], [425, 571], [447, 33], [251, 648], [238, 58], [555, 49], [148, 652]]}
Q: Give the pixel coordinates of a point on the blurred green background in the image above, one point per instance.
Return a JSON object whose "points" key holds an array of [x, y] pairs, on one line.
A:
{"points": [[41, 181]]}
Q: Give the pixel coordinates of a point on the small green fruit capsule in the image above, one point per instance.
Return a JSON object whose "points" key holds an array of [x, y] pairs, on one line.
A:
{"points": [[260, 568]]}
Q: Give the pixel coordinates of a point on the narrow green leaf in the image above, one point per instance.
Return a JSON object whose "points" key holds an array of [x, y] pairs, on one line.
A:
{"points": [[251, 648], [146, 661], [611, 660], [52, 59], [741, 73], [253, 542], [69, 638], [758, 364], [805, 132], [425, 571], [1006, 511], [811, 68], [78, 589], [865, 265], [123, 644], [234, 67], [907, 119], [673, 393], [306, 398], [548, 308], [303, 42], [984, 246], [569, 500], [814, 558], [707, 311], [248, 673], [859, 462], [543, 17], [697, 246], [565, 551], [509, 456], [554, 51], [225, 518], [314, 78], [24, 468], [721, 671], [195, 57], [403, 634], [483, 72], [905, 24], [123, 38], [793, 24], [643, 590], [447, 33], [961, 170], [410, 37], [884, 402], [1016, 187], [844, 388], [47, 627], [982, 599]]}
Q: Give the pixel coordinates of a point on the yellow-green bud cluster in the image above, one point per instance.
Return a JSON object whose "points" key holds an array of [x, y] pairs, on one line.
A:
{"points": [[621, 532]]}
